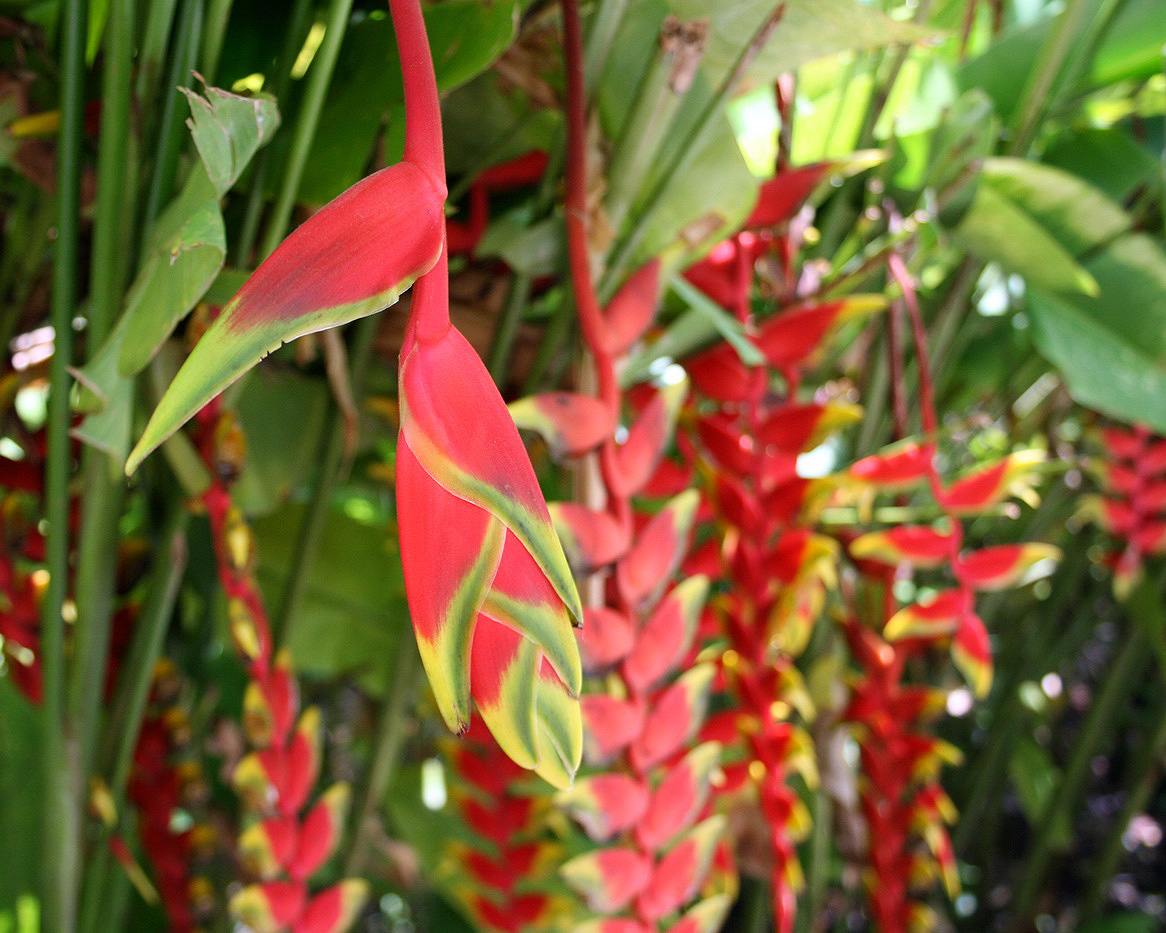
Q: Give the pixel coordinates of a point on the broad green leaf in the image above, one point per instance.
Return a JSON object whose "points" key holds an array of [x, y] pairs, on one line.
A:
{"points": [[465, 36], [228, 130], [186, 253], [22, 794], [1076, 214], [1111, 350], [809, 29], [353, 589], [1131, 48], [1108, 159], [1123, 923], [1036, 778], [997, 229]]}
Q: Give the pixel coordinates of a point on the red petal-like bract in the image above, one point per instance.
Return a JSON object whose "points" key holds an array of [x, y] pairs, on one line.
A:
{"points": [[353, 257], [629, 314], [782, 196], [570, 423]]}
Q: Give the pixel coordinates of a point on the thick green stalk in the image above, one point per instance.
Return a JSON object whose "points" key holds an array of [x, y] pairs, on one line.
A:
{"points": [[600, 38], [319, 78], [293, 40], [390, 742], [120, 735], [636, 146], [331, 457], [1100, 724], [217, 17], [171, 125], [152, 51], [103, 490], [499, 358], [61, 800]]}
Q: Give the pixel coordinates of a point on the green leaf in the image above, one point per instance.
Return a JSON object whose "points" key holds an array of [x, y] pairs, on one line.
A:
{"points": [[1038, 221], [997, 229], [1036, 778], [1123, 923], [355, 593], [809, 29], [228, 130], [720, 320], [1111, 349], [22, 796], [1108, 159]]}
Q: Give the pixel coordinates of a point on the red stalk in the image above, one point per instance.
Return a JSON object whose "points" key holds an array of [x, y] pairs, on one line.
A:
{"points": [[423, 142]]}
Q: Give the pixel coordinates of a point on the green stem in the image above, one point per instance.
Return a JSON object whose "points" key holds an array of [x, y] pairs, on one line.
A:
{"points": [[152, 53], [600, 38], [120, 735], [636, 146], [171, 126], [293, 40], [62, 804], [212, 41], [103, 490], [390, 742], [318, 81], [507, 329], [332, 455], [1100, 723], [1048, 66]]}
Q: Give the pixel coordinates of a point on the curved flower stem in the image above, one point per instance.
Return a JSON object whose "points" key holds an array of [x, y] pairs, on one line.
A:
{"points": [[423, 142]]}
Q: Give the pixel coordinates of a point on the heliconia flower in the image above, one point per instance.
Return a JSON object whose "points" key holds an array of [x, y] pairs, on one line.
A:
{"points": [[636, 459], [971, 650], [679, 873], [918, 545], [997, 568], [265, 847], [334, 908], [986, 485], [657, 551], [613, 925], [797, 428], [269, 907], [320, 831], [781, 196], [679, 798], [665, 637], [942, 614], [605, 639], [793, 335], [350, 259], [705, 917], [477, 544], [674, 719], [570, 423], [591, 539], [897, 468], [630, 312], [611, 725], [605, 804], [270, 702], [608, 879]]}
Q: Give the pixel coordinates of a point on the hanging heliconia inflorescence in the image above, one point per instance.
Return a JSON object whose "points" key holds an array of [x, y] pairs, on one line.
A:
{"points": [[285, 839], [905, 809], [503, 878], [644, 798], [747, 429], [1131, 468]]}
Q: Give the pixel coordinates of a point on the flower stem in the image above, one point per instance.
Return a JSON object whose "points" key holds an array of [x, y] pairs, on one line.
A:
{"points": [[423, 142]]}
